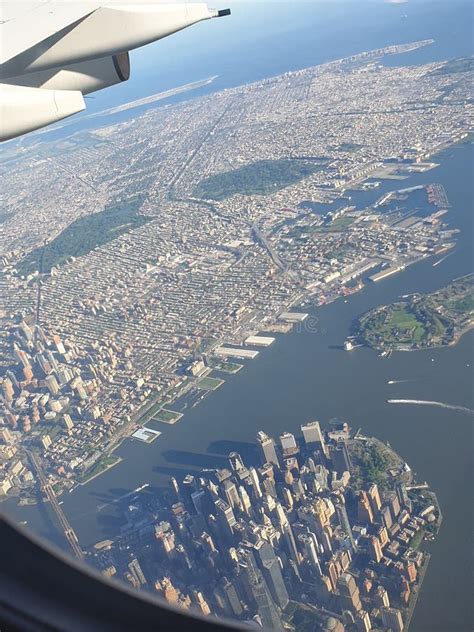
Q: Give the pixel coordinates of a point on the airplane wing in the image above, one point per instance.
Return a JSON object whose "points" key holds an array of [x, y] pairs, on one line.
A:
{"points": [[52, 52]]}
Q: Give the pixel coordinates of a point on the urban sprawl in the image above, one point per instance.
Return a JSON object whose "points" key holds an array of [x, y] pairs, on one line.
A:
{"points": [[140, 256]]}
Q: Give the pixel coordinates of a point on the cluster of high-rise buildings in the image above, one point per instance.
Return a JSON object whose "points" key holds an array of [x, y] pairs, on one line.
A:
{"points": [[279, 543], [49, 401]]}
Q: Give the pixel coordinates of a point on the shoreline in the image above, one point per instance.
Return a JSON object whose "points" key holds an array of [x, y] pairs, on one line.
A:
{"points": [[311, 302], [453, 343], [118, 460], [87, 122]]}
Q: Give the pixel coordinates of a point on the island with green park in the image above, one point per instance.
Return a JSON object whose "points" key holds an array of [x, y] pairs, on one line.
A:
{"points": [[420, 320]]}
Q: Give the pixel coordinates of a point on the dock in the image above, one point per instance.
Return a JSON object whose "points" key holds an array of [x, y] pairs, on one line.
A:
{"points": [[260, 341], [385, 273], [293, 317], [147, 435], [231, 352]]}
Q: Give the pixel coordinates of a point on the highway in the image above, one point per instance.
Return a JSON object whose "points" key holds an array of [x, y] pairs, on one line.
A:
{"points": [[259, 236]]}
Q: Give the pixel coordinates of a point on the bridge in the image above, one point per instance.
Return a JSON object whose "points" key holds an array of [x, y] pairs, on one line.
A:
{"points": [[48, 491]]}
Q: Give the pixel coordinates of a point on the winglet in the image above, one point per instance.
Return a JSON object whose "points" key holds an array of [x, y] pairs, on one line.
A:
{"points": [[220, 13]]}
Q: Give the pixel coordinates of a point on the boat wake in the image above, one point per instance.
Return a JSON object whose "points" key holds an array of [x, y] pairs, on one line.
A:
{"points": [[399, 381], [110, 503], [436, 263], [422, 402]]}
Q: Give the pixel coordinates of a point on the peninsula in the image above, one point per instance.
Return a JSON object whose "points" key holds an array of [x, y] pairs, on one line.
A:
{"points": [[323, 531]]}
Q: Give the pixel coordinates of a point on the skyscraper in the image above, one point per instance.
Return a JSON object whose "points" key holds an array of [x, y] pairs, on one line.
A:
{"points": [[288, 444], [259, 590], [403, 498], [26, 329], [232, 596], [392, 619], [321, 474], [364, 510], [314, 438], [309, 542], [225, 517], [136, 570], [21, 355], [169, 591], [375, 549], [288, 497], [8, 390], [198, 498], [381, 597], [382, 535], [363, 622], [394, 505], [290, 542], [387, 520], [374, 498], [201, 603], [267, 446], [52, 384], [245, 502], [232, 494], [236, 462], [269, 487], [255, 482], [274, 578], [11, 376], [348, 592], [344, 521]]}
